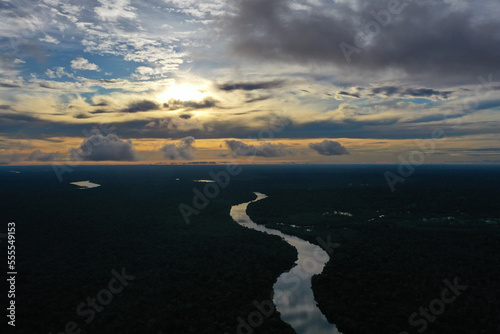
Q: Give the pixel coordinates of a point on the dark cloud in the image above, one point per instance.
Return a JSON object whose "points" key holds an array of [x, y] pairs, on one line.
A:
{"points": [[110, 80], [353, 126], [37, 155], [174, 126], [387, 90], [173, 104], [7, 118], [81, 116], [257, 99], [329, 147], [48, 86], [484, 105], [144, 105], [248, 86], [182, 151], [406, 92], [5, 107], [8, 85], [247, 112], [425, 38], [355, 95], [102, 148], [434, 118], [426, 92], [208, 102], [98, 111], [52, 140], [266, 150]]}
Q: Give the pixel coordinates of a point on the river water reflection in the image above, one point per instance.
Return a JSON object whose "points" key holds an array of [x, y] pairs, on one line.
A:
{"points": [[293, 295]]}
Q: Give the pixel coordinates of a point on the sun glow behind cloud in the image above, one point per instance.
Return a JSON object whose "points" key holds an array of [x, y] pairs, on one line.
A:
{"points": [[182, 92], [173, 70]]}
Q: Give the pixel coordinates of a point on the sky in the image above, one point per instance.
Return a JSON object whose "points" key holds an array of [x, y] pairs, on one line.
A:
{"points": [[249, 81]]}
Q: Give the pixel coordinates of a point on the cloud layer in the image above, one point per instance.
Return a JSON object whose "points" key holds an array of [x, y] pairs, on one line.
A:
{"points": [[249, 86], [221, 70], [103, 148], [37, 155], [376, 35], [265, 150], [184, 150], [329, 147]]}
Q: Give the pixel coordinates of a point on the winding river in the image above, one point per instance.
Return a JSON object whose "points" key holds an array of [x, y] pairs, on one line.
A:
{"points": [[293, 295]]}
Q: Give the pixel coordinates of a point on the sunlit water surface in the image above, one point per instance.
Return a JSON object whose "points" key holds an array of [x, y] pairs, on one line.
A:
{"points": [[86, 184], [293, 295]]}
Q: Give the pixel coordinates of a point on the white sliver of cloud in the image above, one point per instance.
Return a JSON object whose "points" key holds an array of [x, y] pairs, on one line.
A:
{"points": [[50, 39], [83, 64], [112, 10]]}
